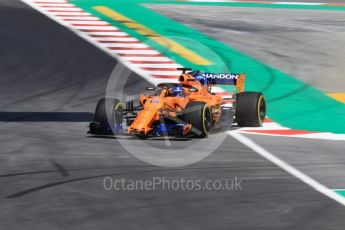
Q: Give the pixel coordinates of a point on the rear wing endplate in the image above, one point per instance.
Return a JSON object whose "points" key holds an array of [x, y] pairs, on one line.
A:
{"points": [[226, 79]]}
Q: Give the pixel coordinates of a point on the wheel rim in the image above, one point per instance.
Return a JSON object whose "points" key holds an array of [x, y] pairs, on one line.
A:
{"points": [[207, 119], [118, 115], [262, 109]]}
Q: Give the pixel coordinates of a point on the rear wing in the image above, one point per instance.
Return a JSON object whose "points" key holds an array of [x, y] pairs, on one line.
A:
{"points": [[226, 79]]}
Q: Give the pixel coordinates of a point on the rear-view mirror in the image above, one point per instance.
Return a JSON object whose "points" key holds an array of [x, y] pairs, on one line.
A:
{"points": [[150, 88], [193, 90]]}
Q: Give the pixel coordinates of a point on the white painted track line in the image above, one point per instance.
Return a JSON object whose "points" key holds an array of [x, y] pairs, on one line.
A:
{"points": [[84, 23], [324, 136], [71, 13], [63, 10], [288, 168], [163, 59], [159, 65], [153, 52], [116, 38], [267, 126], [97, 27], [52, 4], [165, 73], [79, 19], [127, 45], [108, 33]]}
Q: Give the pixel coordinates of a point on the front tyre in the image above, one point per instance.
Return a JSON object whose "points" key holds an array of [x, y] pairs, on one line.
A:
{"points": [[199, 115], [109, 110], [250, 109]]}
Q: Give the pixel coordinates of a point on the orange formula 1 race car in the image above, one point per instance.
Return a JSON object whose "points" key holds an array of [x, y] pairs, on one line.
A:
{"points": [[186, 108]]}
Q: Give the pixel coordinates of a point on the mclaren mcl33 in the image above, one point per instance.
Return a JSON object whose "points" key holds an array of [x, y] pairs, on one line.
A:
{"points": [[187, 108]]}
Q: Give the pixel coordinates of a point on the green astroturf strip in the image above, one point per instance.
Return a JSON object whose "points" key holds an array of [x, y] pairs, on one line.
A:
{"points": [[341, 192], [291, 102]]}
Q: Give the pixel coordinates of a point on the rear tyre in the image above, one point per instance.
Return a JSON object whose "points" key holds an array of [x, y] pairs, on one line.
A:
{"points": [[250, 109], [199, 115], [113, 115]]}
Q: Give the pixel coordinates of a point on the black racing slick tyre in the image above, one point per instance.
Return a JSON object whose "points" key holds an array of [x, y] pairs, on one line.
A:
{"points": [[199, 115], [109, 110], [250, 109]]}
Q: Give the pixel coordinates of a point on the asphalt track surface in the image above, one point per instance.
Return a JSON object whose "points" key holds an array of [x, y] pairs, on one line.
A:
{"points": [[51, 173], [302, 43]]}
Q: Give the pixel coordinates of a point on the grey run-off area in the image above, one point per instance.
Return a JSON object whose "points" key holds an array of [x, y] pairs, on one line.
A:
{"points": [[307, 44]]}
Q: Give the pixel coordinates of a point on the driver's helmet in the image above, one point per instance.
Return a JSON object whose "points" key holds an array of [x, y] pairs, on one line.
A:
{"points": [[177, 91], [201, 78]]}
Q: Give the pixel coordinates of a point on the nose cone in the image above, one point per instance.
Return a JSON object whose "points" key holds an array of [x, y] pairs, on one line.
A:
{"points": [[143, 122]]}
